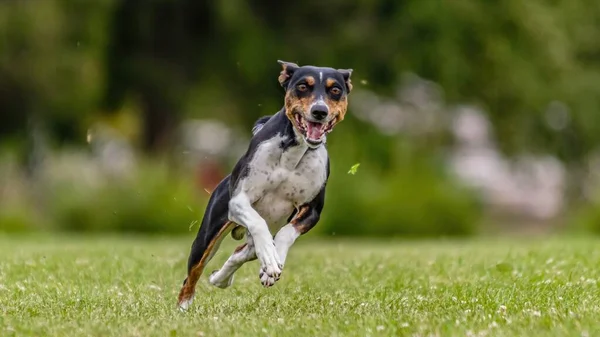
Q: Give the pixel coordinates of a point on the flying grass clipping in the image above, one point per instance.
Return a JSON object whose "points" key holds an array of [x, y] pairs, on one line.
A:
{"points": [[354, 168]]}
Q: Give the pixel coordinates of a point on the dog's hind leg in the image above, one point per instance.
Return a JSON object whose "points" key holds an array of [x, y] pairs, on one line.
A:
{"points": [[203, 250], [223, 277], [215, 226]]}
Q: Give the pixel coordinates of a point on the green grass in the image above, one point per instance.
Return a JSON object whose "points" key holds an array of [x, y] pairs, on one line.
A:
{"points": [[110, 286]]}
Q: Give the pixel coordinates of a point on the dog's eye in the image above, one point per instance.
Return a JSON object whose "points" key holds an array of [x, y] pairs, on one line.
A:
{"points": [[336, 91], [302, 87]]}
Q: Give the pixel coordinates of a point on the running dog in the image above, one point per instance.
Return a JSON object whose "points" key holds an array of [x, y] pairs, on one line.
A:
{"points": [[278, 185]]}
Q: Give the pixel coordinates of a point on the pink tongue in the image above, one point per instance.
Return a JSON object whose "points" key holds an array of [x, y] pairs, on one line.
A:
{"points": [[314, 130]]}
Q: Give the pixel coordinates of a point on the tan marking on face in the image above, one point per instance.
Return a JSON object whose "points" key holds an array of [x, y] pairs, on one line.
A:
{"points": [[295, 103], [310, 80], [337, 108]]}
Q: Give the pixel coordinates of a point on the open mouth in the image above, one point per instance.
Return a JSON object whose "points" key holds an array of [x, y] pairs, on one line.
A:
{"points": [[313, 132]]}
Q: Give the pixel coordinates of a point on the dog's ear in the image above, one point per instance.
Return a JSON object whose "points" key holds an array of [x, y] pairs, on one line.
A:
{"points": [[287, 71], [347, 73]]}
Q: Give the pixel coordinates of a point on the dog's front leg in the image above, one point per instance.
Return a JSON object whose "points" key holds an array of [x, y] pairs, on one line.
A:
{"points": [[304, 221], [284, 240], [242, 213]]}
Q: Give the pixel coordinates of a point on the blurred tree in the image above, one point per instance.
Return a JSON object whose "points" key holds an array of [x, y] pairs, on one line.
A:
{"points": [[51, 69], [51, 62], [154, 56]]}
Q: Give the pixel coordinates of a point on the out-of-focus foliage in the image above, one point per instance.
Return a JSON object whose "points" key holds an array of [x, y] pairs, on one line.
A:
{"points": [[144, 66], [76, 197], [412, 200], [586, 217], [154, 201], [52, 64]]}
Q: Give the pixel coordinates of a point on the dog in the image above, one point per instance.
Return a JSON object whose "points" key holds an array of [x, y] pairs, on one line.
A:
{"points": [[278, 185]]}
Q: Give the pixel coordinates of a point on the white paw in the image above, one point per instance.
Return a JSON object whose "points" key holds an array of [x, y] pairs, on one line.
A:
{"points": [[185, 304], [268, 280], [219, 283], [270, 265]]}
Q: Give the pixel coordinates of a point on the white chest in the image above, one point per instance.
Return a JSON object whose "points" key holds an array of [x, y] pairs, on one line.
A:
{"points": [[281, 180]]}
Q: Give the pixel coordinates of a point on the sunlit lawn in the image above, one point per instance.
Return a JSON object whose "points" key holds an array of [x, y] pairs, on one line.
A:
{"points": [[118, 286]]}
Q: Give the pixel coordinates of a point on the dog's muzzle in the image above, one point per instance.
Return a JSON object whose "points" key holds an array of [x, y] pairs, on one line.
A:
{"points": [[313, 130], [319, 112]]}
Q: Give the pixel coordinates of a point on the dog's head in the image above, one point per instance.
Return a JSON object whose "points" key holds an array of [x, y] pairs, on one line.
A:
{"points": [[316, 98]]}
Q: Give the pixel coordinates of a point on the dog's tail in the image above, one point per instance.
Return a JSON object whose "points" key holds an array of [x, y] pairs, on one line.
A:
{"points": [[259, 124]]}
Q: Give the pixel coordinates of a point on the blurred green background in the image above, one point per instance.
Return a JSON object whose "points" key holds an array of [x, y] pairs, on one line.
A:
{"points": [[467, 117]]}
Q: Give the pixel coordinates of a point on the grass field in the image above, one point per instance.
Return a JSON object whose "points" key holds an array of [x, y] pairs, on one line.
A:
{"points": [[111, 286]]}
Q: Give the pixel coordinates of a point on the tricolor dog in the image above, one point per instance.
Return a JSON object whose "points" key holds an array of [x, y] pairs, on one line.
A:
{"points": [[276, 190]]}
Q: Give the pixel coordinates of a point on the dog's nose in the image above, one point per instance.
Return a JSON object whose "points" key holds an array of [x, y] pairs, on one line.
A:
{"points": [[319, 112]]}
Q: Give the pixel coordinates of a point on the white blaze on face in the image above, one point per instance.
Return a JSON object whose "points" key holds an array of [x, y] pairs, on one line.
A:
{"points": [[319, 101]]}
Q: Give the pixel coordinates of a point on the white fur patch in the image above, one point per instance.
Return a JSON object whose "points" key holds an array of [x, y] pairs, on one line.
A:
{"points": [[284, 239], [278, 182], [185, 304], [281, 181], [223, 277]]}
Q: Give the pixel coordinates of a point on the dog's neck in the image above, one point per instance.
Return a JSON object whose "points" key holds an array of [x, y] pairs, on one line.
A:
{"points": [[293, 144]]}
